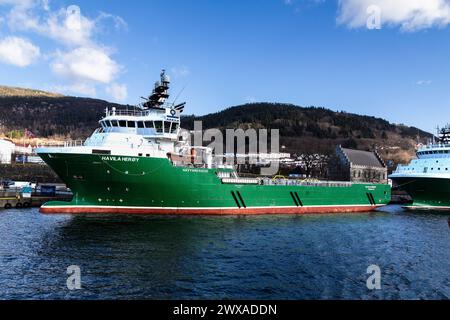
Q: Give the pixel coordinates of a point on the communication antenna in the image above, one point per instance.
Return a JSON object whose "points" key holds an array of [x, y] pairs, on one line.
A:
{"points": [[179, 94]]}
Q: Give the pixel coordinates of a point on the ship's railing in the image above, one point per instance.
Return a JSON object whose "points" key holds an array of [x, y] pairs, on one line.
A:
{"points": [[434, 146], [137, 112], [61, 144], [73, 143], [132, 113], [287, 182], [293, 182], [241, 181]]}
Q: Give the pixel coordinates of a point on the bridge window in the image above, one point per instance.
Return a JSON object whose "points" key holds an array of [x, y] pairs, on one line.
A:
{"points": [[167, 125], [122, 123], [159, 126], [174, 128], [114, 123], [149, 124], [131, 124], [140, 124]]}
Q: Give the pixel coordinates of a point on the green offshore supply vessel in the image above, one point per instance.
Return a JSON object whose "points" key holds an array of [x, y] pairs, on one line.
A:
{"points": [[136, 163], [427, 178]]}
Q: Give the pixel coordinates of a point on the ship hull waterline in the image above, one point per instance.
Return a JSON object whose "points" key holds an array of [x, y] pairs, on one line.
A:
{"points": [[210, 211], [105, 184]]}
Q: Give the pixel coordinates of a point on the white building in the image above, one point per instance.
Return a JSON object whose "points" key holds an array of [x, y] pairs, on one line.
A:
{"points": [[6, 150]]}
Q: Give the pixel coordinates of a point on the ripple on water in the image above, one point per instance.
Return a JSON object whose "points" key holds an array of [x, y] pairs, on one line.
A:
{"points": [[262, 257]]}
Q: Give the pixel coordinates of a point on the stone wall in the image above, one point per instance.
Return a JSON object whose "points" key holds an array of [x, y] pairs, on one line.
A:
{"points": [[368, 174], [28, 172]]}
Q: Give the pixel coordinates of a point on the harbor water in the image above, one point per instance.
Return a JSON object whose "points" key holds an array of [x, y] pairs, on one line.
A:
{"points": [[232, 257]]}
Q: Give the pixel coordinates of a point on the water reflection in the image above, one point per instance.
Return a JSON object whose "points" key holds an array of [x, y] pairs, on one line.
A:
{"points": [[262, 257]]}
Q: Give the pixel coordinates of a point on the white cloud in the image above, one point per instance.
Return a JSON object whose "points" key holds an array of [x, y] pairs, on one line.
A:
{"points": [[423, 82], [119, 22], [119, 92], [18, 51], [180, 72], [67, 25], [85, 63], [250, 99], [80, 61], [46, 5], [409, 15]]}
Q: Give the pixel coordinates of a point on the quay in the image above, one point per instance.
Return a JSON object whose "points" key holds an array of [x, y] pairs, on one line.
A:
{"points": [[18, 198]]}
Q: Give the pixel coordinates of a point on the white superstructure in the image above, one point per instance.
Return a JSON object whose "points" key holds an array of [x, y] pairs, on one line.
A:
{"points": [[151, 129]]}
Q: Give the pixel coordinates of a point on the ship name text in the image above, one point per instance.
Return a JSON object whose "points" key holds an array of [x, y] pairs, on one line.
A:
{"points": [[120, 159]]}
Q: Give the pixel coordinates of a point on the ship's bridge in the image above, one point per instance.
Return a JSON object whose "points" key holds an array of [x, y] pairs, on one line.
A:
{"points": [[433, 160], [158, 124], [432, 151]]}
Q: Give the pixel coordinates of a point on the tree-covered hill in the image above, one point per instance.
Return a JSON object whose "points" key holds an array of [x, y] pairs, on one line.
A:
{"points": [[68, 117], [312, 129]]}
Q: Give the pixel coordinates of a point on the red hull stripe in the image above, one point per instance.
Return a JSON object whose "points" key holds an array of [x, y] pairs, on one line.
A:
{"points": [[212, 211]]}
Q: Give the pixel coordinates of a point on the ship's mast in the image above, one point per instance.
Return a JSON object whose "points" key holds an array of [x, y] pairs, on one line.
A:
{"points": [[444, 135], [160, 93]]}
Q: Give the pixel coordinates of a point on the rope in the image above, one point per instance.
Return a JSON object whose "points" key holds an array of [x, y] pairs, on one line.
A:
{"points": [[404, 184]]}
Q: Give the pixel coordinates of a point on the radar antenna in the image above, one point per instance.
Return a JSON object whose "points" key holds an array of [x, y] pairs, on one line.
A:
{"points": [[160, 93]]}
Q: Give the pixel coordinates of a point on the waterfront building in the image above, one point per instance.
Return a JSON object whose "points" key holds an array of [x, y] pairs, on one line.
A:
{"points": [[357, 166], [6, 151]]}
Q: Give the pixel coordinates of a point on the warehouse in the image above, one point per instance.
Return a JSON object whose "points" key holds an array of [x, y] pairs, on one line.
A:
{"points": [[6, 151]]}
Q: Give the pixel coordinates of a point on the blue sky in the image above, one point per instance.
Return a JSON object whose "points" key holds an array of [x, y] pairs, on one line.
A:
{"points": [[224, 53]]}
